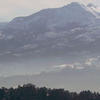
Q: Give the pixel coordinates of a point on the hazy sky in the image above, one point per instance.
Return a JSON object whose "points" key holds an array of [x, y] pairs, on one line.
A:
{"points": [[12, 8]]}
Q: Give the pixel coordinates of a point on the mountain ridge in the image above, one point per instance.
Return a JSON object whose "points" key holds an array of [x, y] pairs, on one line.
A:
{"points": [[74, 6]]}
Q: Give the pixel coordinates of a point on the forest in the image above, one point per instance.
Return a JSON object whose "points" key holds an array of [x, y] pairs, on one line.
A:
{"points": [[31, 92]]}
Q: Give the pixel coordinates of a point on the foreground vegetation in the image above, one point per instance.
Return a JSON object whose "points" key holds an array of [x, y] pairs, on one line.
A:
{"points": [[30, 92]]}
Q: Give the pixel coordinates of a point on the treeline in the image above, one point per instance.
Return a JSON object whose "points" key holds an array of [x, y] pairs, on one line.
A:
{"points": [[30, 92]]}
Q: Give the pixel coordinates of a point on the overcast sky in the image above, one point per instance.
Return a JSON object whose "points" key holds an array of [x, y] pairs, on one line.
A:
{"points": [[13, 8]]}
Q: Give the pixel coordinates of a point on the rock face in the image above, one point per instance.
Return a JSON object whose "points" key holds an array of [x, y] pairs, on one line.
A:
{"points": [[73, 28]]}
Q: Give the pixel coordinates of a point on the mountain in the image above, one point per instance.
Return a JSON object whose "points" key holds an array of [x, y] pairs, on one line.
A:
{"points": [[2, 25], [71, 29], [58, 17], [51, 39]]}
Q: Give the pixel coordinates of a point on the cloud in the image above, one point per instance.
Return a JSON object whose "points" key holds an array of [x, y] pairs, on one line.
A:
{"points": [[76, 66], [63, 66], [92, 62]]}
